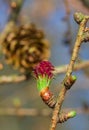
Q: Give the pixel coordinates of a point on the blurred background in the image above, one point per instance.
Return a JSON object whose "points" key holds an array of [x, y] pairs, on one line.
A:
{"points": [[55, 18]]}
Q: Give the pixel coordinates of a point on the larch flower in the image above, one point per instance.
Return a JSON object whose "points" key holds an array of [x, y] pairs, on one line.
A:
{"points": [[43, 73]]}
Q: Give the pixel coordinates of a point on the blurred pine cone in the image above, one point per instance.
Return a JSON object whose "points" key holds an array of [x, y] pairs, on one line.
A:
{"points": [[25, 46]]}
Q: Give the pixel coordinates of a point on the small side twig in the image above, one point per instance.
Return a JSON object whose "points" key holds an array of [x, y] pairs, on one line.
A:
{"points": [[11, 111], [24, 112], [12, 19], [68, 37], [15, 9], [12, 78], [86, 35], [58, 70], [77, 66]]}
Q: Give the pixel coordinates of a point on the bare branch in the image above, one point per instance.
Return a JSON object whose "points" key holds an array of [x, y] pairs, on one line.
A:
{"points": [[77, 66], [81, 20], [12, 78], [12, 111], [24, 112]]}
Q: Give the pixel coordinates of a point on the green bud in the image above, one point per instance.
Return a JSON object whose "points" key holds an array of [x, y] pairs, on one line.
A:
{"points": [[70, 81], [78, 17], [74, 77], [72, 114]]}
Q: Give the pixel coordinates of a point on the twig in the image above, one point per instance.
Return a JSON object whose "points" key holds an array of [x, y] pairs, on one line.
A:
{"points": [[67, 7], [68, 37], [33, 112], [61, 96], [58, 105], [12, 19], [12, 78], [58, 70], [24, 112], [86, 35], [15, 10], [77, 5], [77, 66], [77, 45]]}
